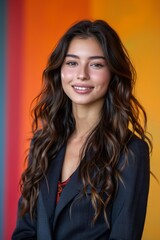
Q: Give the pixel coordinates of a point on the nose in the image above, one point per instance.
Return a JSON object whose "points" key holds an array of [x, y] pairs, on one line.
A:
{"points": [[83, 73]]}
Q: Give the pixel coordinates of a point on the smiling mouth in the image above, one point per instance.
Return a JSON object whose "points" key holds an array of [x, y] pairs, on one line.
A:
{"points": [[82, 88]]}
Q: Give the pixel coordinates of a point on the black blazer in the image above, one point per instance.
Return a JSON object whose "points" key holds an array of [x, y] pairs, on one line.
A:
{"points": [[71, 219]]}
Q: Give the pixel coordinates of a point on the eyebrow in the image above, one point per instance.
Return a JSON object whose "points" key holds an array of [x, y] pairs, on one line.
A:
{"points": [[91, 57]]}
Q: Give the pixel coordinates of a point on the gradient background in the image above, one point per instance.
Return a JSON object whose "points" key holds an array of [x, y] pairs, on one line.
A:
{"points": [[29, 29]]}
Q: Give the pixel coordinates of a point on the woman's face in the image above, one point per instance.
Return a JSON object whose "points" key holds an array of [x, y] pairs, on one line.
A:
{"points": [[85, 74]]}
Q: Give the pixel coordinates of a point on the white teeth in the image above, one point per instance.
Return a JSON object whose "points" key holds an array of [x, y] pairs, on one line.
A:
{"points": [[81, 88]]}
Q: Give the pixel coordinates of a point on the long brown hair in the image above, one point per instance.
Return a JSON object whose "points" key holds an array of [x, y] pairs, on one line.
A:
{"points": [[53, 116]]}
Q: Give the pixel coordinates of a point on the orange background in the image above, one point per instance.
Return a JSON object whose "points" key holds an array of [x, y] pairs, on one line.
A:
{"points": [[138, 24]]}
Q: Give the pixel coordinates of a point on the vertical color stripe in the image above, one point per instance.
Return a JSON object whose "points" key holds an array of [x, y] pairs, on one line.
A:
{"points": [[13, 102], [2, 102]]}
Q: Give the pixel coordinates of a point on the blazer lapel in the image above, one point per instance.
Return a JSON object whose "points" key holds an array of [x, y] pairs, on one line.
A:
{"points": [[72, 189], [49, 193]]}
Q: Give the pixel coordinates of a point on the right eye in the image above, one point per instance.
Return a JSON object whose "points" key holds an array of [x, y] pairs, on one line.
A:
{"points": [[71, 63]]}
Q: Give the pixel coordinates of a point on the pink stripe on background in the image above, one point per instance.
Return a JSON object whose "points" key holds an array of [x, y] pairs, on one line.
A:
{"points": [[14, 65]]}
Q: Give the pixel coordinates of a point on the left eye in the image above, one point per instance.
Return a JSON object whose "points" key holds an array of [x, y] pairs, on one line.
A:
{"points": [[97, 65]]}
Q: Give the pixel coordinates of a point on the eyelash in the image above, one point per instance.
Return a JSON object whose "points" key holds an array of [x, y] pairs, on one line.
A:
{"points": [[97, 65], [71, 63]]}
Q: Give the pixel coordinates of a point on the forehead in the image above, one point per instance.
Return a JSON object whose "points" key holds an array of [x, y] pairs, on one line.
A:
{"points": [[86, 45]]}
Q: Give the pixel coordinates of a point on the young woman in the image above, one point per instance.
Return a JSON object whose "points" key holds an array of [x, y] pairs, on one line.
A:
{"points": [[88, 169]]}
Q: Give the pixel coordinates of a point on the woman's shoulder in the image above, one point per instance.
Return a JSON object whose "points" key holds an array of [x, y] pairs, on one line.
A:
{"points": [[135, 154], [135, 143]]}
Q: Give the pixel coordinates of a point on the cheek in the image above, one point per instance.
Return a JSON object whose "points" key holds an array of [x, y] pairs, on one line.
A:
{"points": [[102, 78], [66, 75], [66, 78]]}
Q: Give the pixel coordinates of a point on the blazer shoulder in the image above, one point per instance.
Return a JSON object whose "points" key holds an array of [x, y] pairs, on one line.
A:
{"points": [[135, 154], [136, 144], [136, 160]]}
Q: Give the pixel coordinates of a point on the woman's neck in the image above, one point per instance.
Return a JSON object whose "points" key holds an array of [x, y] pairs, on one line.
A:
{"points": [[86, 119]]}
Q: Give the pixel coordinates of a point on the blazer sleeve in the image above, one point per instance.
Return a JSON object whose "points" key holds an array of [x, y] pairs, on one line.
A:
{"points": [[25, 227], [130, 203]]}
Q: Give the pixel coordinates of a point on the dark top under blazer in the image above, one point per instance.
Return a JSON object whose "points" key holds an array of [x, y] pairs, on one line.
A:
{"points": [[72, 220]]}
